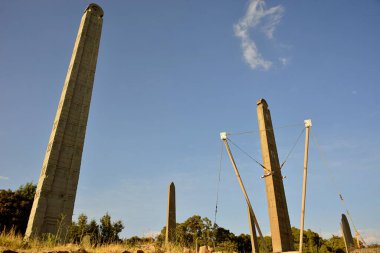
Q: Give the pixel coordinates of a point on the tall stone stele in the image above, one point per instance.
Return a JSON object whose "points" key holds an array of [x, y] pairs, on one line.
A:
{"points": [[278, 211], [55, 196], [171, 215]]}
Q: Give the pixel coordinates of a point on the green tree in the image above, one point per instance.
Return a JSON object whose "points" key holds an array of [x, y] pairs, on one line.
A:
{"points": [[109, 232], [106, 232], [78, 229], [194, 230], [93, 232], [312, 242], [335, 244], [223, 235], [244, 243], [227, 246], [15, 207], [194, 226], [296, 238], [200, 230], [207, 232], [268, 243]]}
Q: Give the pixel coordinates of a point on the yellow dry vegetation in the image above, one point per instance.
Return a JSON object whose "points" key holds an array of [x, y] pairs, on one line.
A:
{"points": [[12, 241]]}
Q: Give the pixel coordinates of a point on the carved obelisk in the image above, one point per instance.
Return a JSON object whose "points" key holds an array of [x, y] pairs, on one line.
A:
{"points": [[171, 219], [347, 236], [278, 211], [55, 195]]}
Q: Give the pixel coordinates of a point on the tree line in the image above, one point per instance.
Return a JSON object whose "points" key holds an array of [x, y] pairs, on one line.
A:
{"points": [[15, 208], [198, 231]]}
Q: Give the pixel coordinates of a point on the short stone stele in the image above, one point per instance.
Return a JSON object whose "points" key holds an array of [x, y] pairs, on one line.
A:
{"points": [[171, 215]]}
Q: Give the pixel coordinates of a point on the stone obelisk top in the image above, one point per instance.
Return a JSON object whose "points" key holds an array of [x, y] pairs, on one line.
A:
{"points": [[55, 195], [171, 215], [278, 211]]}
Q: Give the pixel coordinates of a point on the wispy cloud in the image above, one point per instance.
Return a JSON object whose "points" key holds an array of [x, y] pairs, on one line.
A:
{"points": [[152, 234], [257, 16], [284, 61], [371, 235], [4, 178], [327, 235]]}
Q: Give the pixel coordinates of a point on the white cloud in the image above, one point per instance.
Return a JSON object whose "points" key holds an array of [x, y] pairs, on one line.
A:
{"points": [[152, 234], [370, 236], [284, 61], [256, 15], [4, 178], [327, 235]]}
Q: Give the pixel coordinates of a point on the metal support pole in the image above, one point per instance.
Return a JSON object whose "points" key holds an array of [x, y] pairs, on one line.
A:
{"points": [[223, 137], [307, 126]]}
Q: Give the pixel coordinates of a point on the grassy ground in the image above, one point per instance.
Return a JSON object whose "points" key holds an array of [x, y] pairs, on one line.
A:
{"points": [[15, 242]]}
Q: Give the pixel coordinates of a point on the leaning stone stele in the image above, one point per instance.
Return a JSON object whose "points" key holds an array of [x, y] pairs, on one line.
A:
{"points": [[56, 190], [278, 211]]}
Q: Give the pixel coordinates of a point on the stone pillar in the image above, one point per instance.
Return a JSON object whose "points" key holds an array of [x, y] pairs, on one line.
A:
{"points": [[278, 211], [171, 219], [347, 236], [56, 190]]}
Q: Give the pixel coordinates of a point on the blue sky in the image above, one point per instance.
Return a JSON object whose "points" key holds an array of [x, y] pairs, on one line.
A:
{"points": [[171, 75]]}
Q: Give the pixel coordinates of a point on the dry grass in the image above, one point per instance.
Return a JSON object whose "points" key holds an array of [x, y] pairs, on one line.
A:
{"points": [[12, 241]]}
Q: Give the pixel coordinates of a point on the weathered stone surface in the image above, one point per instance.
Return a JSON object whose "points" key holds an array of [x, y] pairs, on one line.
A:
{"points": [[186, 250], [278, 211], [86, 241], [56, 190], [347, 236], [171, 215]]}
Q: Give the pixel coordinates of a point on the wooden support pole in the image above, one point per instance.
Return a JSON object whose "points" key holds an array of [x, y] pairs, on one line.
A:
{"points": [[306, 157], [252, 215], [254, 244]]}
